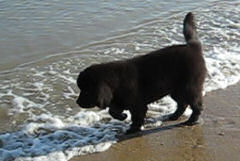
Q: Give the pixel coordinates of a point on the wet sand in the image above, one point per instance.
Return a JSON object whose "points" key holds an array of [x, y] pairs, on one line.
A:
{"points": [[215, 140]]}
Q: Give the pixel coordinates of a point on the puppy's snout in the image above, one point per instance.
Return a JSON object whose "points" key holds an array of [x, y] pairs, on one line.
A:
{"points": [[78, 101], [83, 103]]}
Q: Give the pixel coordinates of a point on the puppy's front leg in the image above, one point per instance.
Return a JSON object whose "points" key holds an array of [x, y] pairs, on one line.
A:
{"points": [[117, 115], [138, 114], [117, 112]]}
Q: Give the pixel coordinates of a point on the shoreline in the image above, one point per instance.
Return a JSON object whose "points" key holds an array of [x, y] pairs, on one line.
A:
{"points": [[216, 140]]}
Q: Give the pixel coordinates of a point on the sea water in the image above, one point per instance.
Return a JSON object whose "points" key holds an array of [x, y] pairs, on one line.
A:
{"points": [[38, 95]]}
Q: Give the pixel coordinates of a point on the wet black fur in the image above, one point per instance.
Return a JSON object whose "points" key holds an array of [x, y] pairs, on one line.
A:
{"points": [[178, 71]]}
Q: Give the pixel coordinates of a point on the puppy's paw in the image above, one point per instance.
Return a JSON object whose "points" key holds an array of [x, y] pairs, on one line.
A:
{"points": [[133, 130], [122, 116], [118, 116], [200, 121], [172, 117]]}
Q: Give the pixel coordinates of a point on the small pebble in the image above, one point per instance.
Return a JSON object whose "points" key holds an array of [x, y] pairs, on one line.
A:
{"points": [[221, 134]]}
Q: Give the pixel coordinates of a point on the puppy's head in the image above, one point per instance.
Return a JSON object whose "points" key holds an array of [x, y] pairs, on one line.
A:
{"points": [[93, 90]]}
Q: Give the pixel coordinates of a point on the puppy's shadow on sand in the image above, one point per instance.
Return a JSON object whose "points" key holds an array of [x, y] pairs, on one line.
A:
{"points": [[160, 129]]}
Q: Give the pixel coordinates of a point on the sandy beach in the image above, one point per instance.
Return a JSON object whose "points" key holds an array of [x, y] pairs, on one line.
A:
{"points": [[215, 140]]}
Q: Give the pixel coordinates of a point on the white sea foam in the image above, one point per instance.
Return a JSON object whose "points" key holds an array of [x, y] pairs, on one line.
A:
{"points": [[54, 136], [56, 129]]}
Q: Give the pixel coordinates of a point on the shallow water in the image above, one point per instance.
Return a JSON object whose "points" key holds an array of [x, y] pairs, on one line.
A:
{"points": [[31, 29], [37, 98]]}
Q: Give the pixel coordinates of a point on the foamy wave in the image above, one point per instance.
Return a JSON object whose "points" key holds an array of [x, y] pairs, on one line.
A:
{"points": [[223, 69], [53, 136]]}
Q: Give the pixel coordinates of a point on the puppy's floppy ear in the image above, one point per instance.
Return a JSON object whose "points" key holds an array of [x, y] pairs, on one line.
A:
{"points": [[104, 96]]}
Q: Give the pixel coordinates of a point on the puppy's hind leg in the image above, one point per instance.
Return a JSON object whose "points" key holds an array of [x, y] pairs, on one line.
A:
{"points": [[197, 109], [181, 107], [178, 96]]}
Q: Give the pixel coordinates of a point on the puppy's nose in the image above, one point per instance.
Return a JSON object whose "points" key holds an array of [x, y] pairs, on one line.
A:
{"points": [[78, 101]]}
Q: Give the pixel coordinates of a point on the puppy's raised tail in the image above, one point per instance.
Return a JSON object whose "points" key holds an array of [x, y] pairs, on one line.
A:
{"points": [[190, 30]]}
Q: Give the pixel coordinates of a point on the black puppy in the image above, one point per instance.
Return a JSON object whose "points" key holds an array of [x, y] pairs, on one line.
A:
{"points": [[178, 71]]}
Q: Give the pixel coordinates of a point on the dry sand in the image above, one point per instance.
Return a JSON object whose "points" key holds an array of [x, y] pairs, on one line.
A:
{"points": [[218, 139]]}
